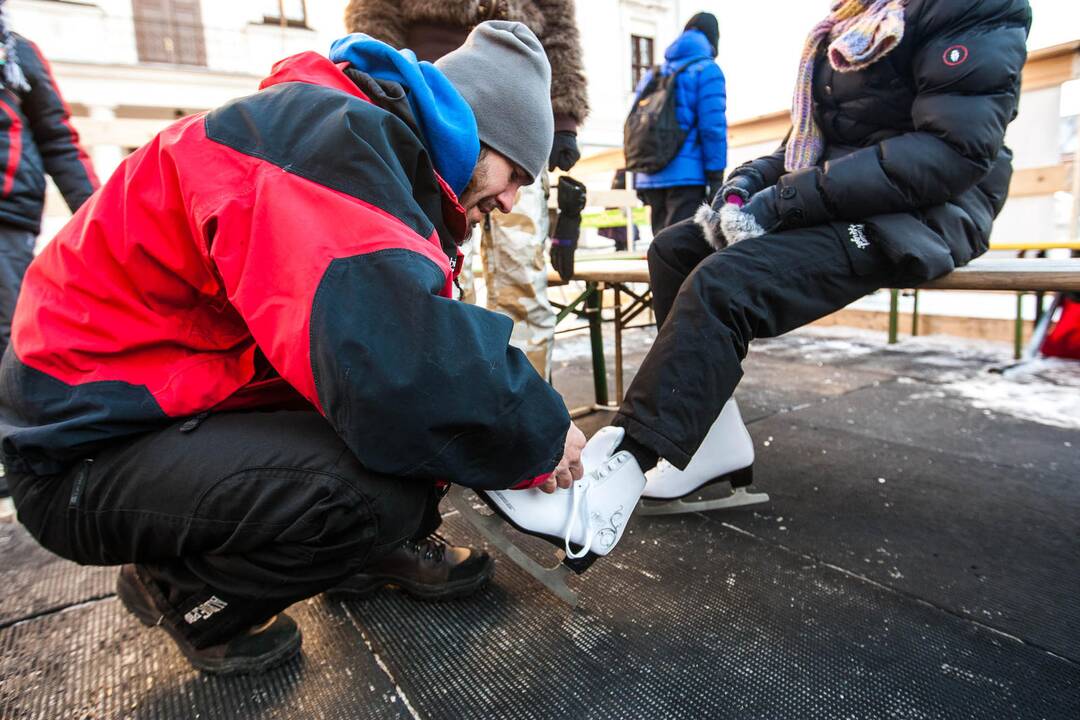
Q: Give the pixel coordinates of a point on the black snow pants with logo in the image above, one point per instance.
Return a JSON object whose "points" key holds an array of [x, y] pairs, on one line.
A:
{"points": [[245, 513]]}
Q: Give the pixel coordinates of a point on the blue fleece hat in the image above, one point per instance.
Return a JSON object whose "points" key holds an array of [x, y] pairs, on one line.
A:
{"points": [[446, 121]]}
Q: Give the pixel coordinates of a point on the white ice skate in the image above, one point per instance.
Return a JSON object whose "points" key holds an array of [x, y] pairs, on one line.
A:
{"points": [[726, 455], [585, 521]]}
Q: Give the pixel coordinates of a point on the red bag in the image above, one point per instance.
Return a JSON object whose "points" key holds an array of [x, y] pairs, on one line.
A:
{"points": [[1064, 339]]}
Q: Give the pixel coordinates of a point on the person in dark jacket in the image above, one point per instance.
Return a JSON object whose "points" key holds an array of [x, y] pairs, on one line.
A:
{"points": [[892, 175], [676, 192], [36, 137], [239, 370]]}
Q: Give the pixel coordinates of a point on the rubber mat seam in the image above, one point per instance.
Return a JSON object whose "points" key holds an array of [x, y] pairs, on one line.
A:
{"points": [[5, 624], [380, 662]]}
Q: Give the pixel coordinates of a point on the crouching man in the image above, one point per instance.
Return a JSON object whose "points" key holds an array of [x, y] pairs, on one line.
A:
{"points": [[238, 370]]}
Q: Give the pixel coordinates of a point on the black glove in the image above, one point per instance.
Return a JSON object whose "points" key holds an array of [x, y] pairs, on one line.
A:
{"points": [[740, 186], [572, 197], [757, 217], [713, 181], [564, 151]]}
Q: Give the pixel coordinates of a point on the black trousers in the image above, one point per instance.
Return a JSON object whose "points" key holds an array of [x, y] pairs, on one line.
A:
{"points": [[259, 510], [671, 205], [710, 305], [16, 252]]}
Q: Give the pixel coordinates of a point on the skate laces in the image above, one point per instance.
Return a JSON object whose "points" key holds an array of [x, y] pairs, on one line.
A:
{"points": [[579, 495], [580, 506]]}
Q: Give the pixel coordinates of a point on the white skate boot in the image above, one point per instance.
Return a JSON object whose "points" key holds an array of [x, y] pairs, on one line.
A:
{"points": [[585, 521], [726, 455]]}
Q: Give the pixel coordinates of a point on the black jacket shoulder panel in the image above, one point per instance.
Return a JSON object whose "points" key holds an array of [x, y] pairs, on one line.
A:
{"points": [[339, 141]]}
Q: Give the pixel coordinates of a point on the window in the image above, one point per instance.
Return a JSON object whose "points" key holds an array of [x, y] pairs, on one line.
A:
{"points": [[286, 13], [641, 58], [169, 31]]}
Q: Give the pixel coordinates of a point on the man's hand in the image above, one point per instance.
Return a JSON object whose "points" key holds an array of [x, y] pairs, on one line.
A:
{"points": [[569, 468]]}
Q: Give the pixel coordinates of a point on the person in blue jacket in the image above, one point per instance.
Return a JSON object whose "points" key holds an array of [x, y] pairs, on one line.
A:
{"points": [[674, 193]]}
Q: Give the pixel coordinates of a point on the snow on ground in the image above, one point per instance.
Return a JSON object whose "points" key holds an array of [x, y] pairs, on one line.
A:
{"points": [[1045, 391]]}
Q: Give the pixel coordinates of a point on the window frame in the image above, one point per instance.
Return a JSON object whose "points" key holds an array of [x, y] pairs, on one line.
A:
{"points": [[637, 69]]}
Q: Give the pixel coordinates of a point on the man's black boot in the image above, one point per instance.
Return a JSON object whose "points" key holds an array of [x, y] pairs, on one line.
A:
{"points": [[254, 650], [429, 569]]}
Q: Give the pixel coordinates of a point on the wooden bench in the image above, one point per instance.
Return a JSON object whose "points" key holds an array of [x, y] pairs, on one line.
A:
{"points": [[617, 275], [1040, 248]]}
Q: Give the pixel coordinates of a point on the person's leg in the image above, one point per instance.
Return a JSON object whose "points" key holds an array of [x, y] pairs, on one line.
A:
{"points": [[682, 202], [16, 252], [249, 512], [673, 255], [656, 201], [756, 288], [515, 271]]}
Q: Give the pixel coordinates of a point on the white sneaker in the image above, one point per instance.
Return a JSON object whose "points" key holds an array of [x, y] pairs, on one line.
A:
{"points": [[587, 519], [726, 453]]}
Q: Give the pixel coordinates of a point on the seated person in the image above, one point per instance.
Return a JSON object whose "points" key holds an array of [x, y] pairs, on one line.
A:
{"points": [[892, 175]]}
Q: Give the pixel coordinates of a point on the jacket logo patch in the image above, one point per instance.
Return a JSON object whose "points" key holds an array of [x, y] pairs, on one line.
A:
{"points": [[205, 610], [857, 233], [955, 55]]}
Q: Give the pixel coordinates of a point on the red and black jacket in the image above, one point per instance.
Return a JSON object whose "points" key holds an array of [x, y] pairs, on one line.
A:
{"points": [[290, 246], [36, 137]]}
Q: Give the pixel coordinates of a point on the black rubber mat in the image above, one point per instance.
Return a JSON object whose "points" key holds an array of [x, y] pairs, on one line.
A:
{"points": [[922, 415], [97, 662], [695, 620], [936, 361], [34, 581], [996, 543], [770, 387]]}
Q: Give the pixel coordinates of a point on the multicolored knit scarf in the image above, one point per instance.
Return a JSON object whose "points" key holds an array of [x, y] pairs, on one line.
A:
{"points": [[859, 32], [11, 75]]}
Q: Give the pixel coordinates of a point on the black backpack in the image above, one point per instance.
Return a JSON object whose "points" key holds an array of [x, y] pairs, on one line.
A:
{"points": [[652, 136]]}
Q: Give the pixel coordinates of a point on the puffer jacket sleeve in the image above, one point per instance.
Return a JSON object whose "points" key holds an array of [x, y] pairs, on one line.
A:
{"points": [[760, 173], [959, 117], [55, 137], [712, 118], [381, 19]]}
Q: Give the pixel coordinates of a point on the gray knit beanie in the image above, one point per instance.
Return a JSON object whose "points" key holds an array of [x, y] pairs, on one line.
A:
{"points": [[503, 73]]}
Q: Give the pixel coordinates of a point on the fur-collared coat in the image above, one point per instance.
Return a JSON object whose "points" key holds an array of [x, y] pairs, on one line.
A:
{"points": [[396, 22]]}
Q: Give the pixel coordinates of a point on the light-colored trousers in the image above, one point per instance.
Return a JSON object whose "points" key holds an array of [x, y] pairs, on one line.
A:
{"points": [[512, 246]]}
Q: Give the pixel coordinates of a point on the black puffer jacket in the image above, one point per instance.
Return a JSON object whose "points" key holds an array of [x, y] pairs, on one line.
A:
{"points": [[36, 137], [915, 143]]}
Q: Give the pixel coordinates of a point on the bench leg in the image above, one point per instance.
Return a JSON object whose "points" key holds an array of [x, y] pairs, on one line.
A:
{"points": [[894, 315], [915, 313], [1018, 328], [594, 304]]}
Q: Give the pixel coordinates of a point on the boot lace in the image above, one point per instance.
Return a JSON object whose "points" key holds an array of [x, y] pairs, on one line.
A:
{"points": [[433, 547]]}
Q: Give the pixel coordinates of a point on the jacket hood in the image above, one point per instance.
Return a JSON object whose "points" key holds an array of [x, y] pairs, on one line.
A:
{"points": [[691, 44]]}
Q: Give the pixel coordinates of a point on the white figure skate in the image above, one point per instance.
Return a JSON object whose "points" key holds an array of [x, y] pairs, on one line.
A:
{"points": [[585, 521], [726, 455]]}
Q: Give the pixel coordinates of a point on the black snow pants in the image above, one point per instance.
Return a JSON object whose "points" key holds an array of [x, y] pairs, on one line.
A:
{"points": [[671, 205], [259, 509], [710, 304]]}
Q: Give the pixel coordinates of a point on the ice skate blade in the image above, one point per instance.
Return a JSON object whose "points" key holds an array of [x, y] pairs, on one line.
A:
{"points": [[739, 497], [492, 527]]}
